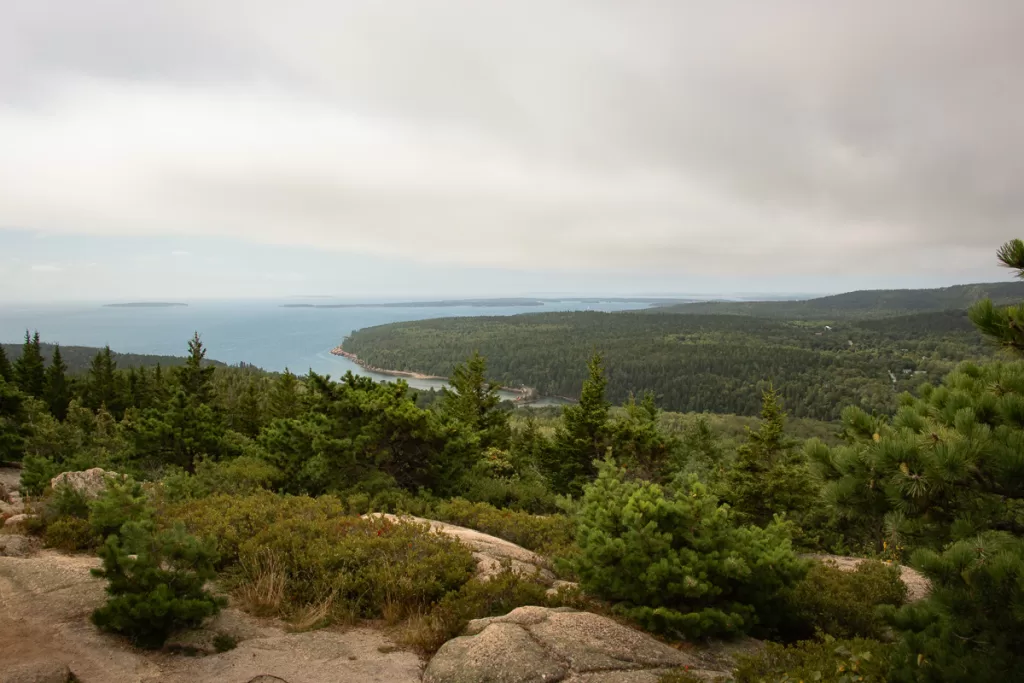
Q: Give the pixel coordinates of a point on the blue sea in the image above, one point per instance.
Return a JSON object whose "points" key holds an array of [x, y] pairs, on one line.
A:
{"points": [[262, 333]]}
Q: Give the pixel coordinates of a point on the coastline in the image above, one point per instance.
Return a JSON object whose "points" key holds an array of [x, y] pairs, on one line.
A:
{"points": [[526, 394]]}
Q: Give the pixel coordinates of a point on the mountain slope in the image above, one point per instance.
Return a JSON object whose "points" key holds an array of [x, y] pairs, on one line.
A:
{"points": [[880, 303], [78, 358]]}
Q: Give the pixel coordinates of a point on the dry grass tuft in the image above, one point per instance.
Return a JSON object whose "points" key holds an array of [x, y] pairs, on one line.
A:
{"points": [[261, 589]]}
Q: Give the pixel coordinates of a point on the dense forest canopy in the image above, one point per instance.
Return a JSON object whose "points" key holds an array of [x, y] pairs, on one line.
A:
{"points": [[713, 363], [879, 303], [78, 358]]}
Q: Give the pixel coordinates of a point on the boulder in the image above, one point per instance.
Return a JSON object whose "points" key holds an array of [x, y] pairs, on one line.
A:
{"points": [[918, 585], [36, 672], [553, 644], [491, 553], [266, 679], [13, 545], [17, 522], [90, 483]]}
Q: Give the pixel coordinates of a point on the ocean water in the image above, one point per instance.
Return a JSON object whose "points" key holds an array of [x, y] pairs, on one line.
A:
{"points": [[262, 333]]}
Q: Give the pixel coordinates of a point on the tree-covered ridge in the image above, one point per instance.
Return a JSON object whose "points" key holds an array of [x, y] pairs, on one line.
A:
{"points": [[879, 303], [78, 358], [714, 363]]}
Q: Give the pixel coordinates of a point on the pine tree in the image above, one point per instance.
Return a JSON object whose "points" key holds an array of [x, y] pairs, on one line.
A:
{"points": [[156, 583], [194, 377], [58, 393], [30, 369], [475, 402], [6, 370], [583, 436], [1004, 326]]}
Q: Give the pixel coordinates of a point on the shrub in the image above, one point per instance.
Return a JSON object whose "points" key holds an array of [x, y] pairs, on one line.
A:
{"points": [[69, 534], [844, 604], [476, 599], [360, 567], [239, 476], [232, 520], [549, 534], [828, 661], [159, 589], [36, 473], [676, 562], [123, 500]]}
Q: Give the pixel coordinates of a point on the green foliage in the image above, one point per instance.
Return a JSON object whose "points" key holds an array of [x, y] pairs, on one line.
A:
{"points": [[13, 421], [971, 626], [156, 583], [363, 567], [946, 466], [357, 428], [770, 476], [58, 392], [476, 599], [638, 442], [69, 534], [242, 475], [122, 501], [474, 402], [547, 534], [676, 561], [844, 604], [583, 436], [693, 363], [828, 661], [29, 369]]}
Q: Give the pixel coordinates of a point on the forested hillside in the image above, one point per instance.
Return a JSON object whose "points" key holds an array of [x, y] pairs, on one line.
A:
{"points": [[78, 358], [715, 363], [880, 303]]}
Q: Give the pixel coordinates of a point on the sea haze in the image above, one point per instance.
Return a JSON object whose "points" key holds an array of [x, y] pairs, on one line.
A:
{"points": [[263, 333]]}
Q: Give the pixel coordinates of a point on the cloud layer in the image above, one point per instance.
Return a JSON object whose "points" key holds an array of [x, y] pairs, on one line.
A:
{"points": [[644, 137]]}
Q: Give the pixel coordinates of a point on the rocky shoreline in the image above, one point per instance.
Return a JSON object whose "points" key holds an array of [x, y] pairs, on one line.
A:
{"points": [[525, 394]]}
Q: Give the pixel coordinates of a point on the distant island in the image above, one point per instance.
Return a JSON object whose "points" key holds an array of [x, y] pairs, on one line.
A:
{"points": [[145, 304], [428, 304]]}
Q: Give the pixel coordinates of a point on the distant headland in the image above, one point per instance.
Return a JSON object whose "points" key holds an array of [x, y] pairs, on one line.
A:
{"points": [[428, 304], [145, 304]]}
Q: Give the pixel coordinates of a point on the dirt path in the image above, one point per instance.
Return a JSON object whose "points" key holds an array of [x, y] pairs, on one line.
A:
{"points": [[45, 601]]}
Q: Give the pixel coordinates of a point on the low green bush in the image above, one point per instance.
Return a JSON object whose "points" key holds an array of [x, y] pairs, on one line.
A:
{"points": [[844, 604], [156, 583], [827, 661], [231, 520], [547, 534], [476, 599], [238, 476], [675, 561], [69, 534], [360, 567]]}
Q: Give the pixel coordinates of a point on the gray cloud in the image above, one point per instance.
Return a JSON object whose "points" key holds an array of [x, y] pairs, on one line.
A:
{"points": [[699, 137]]}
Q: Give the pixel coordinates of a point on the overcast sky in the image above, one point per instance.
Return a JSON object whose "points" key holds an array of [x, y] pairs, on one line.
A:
{"points": [[427, 147]]}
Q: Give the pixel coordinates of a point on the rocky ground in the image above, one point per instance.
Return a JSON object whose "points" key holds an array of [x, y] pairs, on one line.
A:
{"points": [[45, 634]]}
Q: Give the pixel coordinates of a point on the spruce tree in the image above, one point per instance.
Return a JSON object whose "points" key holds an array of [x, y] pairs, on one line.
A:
{"points": [[30, 369], [284, 400], [58, 393], [194, 377], [13, 422], [770, 476], [583, 437], [475, 402], [6, 370], [101, 383]]}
